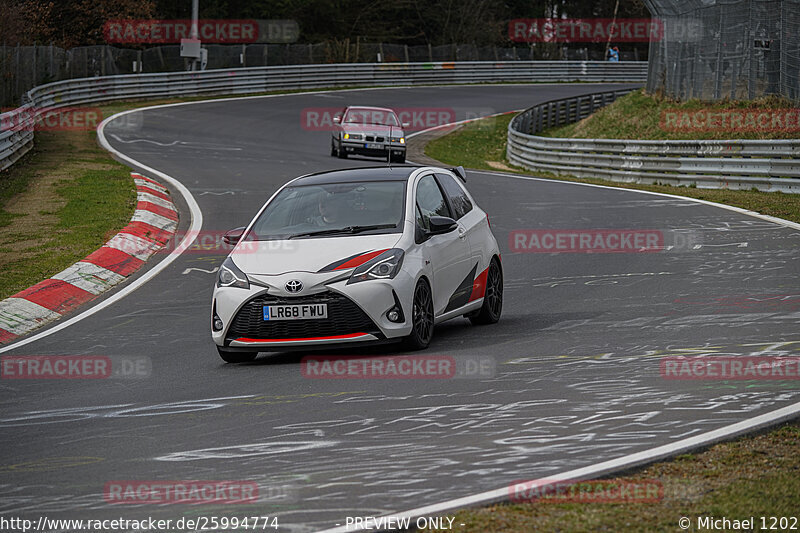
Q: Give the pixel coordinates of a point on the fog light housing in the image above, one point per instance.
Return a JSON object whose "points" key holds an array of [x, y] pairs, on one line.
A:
{"points": [[217, 324], [393, 315]]}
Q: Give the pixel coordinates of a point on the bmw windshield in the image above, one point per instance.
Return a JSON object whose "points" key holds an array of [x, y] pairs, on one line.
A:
{"points": [[332, 209]]}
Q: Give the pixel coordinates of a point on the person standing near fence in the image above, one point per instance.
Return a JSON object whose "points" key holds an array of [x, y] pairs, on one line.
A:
{"points": [[613, 54]]}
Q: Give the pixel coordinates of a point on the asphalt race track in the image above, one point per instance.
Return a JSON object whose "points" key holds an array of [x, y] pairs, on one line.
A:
{"points": [[575, 361]]}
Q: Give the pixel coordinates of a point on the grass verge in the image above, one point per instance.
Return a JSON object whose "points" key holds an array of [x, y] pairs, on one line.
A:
{"points": [[482, 145], [750, 477], [645, 116], [60, 202]]}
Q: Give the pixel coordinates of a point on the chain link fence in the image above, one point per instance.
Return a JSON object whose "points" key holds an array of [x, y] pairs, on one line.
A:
{"points": [[25, 67], [738, 49]]}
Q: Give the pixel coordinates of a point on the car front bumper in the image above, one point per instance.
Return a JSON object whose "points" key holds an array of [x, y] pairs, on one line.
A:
{"points": [[357, 313], [361, 148]]}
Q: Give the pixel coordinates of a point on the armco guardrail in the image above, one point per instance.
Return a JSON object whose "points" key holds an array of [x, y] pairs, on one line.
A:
{"points": [[13, 144], [770, 165]]}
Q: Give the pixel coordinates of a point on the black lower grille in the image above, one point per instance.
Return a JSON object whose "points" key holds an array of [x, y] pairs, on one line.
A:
{"points": [[344, 317]]}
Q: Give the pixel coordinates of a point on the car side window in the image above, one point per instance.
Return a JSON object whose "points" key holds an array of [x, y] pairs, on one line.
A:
{"points": [[458, 198], [430, 200]]}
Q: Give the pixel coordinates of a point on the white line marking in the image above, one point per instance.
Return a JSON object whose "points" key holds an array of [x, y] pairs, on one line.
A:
{"points": [[635, 459], [593, 471], [191, 234]]}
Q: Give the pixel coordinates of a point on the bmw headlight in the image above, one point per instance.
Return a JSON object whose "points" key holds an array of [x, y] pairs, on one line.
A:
{"points": [[385, 266], [401, 140], [230, 276]]}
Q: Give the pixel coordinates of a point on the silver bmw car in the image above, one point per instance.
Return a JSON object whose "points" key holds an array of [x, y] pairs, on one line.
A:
{"points": [[369, 131]]}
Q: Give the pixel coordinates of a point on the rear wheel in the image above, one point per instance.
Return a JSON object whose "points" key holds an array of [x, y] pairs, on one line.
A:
{"points": [[236, 357], [492, 307], [421, 317]]}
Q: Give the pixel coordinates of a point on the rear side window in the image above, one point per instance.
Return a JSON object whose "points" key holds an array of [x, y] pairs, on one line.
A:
{"points": [[458, 198]]}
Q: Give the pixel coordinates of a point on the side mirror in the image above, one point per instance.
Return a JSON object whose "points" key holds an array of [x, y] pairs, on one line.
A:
{"points": [[406, 124], [440, 225], [233, 236], [337, 119]]}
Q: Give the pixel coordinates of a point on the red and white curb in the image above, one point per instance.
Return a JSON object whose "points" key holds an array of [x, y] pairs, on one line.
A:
{"points": [[152, 226]]}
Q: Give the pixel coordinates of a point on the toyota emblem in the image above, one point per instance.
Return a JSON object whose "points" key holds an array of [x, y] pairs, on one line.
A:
{"points": [[294, 285]]}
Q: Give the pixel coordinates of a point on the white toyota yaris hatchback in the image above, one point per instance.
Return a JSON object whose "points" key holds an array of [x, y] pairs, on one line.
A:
{"points": [[360, 255]]}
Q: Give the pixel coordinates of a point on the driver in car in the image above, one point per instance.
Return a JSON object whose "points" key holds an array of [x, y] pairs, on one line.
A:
{"points": [[331, 209]]}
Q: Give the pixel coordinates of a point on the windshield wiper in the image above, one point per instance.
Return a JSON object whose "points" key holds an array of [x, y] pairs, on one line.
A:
{"points": [[345, 230]]}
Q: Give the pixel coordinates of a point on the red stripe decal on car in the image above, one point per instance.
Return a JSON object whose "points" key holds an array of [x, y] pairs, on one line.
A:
{"points": [[360, 260], [479, 286], [332, 337]]}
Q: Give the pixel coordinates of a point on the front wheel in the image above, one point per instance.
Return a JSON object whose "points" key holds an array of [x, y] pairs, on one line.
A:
{"points": [[492, 307], [421, 317], [236, 357]]}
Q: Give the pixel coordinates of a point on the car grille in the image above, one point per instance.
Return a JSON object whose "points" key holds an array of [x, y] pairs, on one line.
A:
{"points": [[372, 138], [344, 317]]}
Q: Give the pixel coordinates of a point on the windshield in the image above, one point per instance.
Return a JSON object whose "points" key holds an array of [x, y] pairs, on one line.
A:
{"points": [[381, 117], [309, 211]]}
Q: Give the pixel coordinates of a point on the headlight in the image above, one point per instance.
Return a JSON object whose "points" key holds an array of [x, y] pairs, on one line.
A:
{"points": [[346, 136], [231, 276], [401, 140], [385, 266], [354, 136]]}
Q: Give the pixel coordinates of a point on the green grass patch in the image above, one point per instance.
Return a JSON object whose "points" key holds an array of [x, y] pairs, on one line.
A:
{"points": [[753, 476], [639, 115], [59, 203], [482, 145]]}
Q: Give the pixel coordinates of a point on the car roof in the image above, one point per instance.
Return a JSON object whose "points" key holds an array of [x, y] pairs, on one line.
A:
{"points": [[357, 107], [377, 173]]}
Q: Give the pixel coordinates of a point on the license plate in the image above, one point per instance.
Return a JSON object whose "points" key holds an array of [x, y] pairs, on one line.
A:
{"points": [[295, 312], [373, 146]]}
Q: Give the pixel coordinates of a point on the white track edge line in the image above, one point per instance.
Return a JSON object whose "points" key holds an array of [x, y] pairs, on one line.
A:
{"points": [[191, 235], [621, 463], [634, 459]]}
